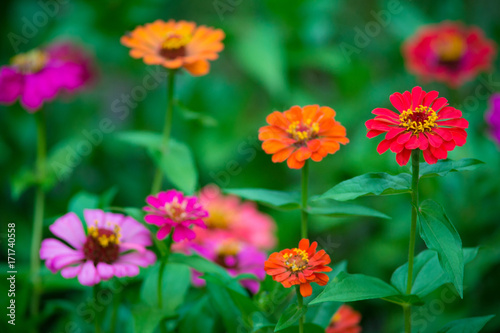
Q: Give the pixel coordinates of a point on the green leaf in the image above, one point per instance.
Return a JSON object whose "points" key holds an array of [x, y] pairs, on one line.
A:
{"points": [[203, 265], [141, 138], [369, 184], [275, 199], [467, 325], [442, 168], [342, 209], [440, 234], [21, 181], [178, 166], [200, 318], [290, 316], [147, 318], [428, 274], [200, 117], [321, 314], [354, 287], [222, 302], [175, 284], [259, 49], [83, 200]]}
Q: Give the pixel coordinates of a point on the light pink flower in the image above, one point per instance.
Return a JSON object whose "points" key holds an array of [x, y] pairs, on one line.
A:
{"points": [[115, 245], [171, 209], [230, 217]]}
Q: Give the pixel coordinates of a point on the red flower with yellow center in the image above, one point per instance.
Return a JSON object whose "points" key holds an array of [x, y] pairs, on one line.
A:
{"points": [[299, 266], [175, 44], [301, 133], [448, 52], [424, 122]]}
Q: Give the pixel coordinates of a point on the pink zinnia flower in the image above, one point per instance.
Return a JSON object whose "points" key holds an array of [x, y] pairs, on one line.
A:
{"points": [[231, 217], [40, 74], [345, 320], [171, 209], [449, 52], [115, 245], [236, 257]]}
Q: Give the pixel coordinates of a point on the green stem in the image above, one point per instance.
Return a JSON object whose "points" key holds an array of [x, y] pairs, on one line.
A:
{"points": [[96, 318], [305, 178], [163, 263], [300, 300], [415, 162], [167, 129], [114, 314], [38, 212], [407, 314]]}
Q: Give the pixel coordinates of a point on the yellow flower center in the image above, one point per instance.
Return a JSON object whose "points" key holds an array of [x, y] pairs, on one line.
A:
{"points": [[297, 260], [421, 119], [229, 248], [217, 220], [175, 42], [30, 62], [176, 210], [336, 318], [450, 47], [303, 131], [176, 39], [105, 237]]}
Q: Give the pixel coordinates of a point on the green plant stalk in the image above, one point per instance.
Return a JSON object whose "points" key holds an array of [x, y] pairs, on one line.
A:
{"points": [[36, 238], [163, 263], [415, 164], [167, 129], [305, 179], [300, 300], [114, 314], [97, 324]]}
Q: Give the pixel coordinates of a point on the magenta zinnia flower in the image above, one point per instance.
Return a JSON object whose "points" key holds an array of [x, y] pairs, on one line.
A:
{"points": [[449, 52], [171, 209], [115, 245], [40, 75], [493, 117], [236, 257]]}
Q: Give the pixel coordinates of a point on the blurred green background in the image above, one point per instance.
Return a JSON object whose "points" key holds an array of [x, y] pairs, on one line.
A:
{"points": [[277, 54]]}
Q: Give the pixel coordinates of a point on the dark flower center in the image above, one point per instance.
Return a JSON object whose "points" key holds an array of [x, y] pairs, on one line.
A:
{"points": [[174, 45], [102, 245]]}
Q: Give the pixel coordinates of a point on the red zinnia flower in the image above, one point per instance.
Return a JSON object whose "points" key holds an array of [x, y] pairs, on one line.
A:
{"points": [[302, 133], [424, 122], [448, 52], [299, 266], [345, 320]]}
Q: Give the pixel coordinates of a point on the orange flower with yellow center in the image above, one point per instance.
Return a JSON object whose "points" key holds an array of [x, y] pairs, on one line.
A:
{"points": [[299, 266], [175, 44], [301, 133]]}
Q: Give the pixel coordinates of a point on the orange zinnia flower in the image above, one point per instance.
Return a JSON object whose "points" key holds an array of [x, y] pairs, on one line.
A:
{"points": [[301, 133], [299, 266], [175, 44]]}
